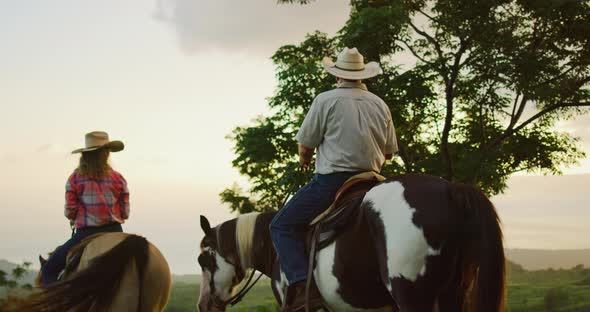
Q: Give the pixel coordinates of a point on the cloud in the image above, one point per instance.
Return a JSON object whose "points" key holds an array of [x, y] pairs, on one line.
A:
{"points": [[259, 26]]}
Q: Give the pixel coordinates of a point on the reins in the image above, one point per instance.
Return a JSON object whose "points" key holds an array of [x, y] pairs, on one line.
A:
{"points": [[245, 289]]}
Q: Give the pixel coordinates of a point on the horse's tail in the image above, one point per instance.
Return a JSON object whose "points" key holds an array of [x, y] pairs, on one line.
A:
{"points": [[482, 262], [94, 288]]}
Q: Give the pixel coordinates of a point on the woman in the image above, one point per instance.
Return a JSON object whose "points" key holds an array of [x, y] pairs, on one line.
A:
{"points": [[97, 199]]}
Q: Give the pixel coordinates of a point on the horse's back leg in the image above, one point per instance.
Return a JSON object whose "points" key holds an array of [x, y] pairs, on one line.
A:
{"points": [[410, 298], [156, 282], [453, 297], [126, 298], [450, 301]]}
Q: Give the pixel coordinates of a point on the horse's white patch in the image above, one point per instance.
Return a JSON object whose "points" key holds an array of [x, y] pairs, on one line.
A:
{"points": [[205, 288], [205, 279], [407, 247], [433, 252], [328, 283], [223, 278], [281, 285]]}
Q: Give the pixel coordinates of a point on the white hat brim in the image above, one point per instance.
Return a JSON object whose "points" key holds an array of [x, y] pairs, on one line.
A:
{"points": [[371, 69], [113, 146]]}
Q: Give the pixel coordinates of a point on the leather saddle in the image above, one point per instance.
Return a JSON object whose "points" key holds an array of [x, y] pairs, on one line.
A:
{"points": [[324, 229]]}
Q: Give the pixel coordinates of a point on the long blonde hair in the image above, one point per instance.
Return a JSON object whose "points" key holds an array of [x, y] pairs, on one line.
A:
{"points": [[95, 164]]}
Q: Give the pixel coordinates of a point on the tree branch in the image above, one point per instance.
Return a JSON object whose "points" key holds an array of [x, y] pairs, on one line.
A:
{"points": [[527, 168], [449, 90], [491, 89], [561, 75], [582, 82], [427, 15], [467, 60], [538, 115], [429, 38], [514, 106], [482, 136], [516, 117], [548, 110], [404, 156], [415, 53]]}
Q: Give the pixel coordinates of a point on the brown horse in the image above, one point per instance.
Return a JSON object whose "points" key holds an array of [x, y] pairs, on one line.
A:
{"points": [[417, 244], [116, 272]]}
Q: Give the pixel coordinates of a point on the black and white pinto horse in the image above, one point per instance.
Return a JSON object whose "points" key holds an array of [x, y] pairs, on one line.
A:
{"points": [[417, 244]]}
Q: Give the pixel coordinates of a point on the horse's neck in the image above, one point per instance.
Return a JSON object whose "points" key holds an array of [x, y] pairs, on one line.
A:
{"points": [[264, 254]]}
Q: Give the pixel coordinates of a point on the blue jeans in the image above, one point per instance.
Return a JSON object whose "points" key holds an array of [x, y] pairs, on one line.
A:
{"points": [[287, 229], [57, 261]]}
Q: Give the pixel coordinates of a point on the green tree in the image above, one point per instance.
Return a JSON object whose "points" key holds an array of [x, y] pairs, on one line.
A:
{"points": [[12, 287], [482, 100]]}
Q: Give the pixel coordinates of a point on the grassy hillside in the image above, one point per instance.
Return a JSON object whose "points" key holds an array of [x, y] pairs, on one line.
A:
{"points": [[548, 290], [186, 278]]}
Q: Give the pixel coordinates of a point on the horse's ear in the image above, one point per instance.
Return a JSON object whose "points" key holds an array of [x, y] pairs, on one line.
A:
{"points": [[42, 261], [205, 225]]}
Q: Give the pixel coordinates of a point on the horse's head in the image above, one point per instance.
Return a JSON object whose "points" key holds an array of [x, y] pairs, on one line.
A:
{"points": [[220, 265], [42, 262]]}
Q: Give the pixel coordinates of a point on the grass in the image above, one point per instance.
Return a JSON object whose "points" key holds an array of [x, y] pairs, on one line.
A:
{"points": [[260, 299], [528, 291], [532, 297], [521, 298]]}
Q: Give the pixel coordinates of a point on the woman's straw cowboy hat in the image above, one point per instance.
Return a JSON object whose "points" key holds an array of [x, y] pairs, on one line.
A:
{"points": [[99, 139], [350, 64]]}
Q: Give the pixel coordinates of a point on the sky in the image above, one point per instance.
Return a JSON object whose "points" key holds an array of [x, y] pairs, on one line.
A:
{"points": [[172, 78]]}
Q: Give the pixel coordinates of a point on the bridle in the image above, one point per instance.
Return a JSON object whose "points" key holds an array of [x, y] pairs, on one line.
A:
{"points": [[235, 299], [245, 289]]}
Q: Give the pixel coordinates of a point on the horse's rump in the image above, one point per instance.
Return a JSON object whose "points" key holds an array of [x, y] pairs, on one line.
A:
{"points": [[433, 236], [106, 262]]}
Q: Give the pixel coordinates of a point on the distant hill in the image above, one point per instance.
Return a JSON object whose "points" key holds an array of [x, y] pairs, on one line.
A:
{"points": [[8, 266], [186, 278], [538, 259]]}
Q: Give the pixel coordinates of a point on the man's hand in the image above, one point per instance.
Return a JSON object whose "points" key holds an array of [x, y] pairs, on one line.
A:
{"points": [[305, 155]]}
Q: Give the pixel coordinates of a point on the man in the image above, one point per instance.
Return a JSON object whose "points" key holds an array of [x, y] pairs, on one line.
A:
{"points": [[352, 131]]}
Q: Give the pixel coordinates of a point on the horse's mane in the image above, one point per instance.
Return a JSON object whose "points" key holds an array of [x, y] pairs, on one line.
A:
{"points": [[245, 227], [93, 288]]}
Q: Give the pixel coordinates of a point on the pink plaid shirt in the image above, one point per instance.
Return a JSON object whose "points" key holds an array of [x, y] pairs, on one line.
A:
{"points": [[92, 202]]}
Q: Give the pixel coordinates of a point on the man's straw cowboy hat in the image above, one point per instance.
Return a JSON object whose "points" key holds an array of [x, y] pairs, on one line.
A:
{"points": [[99, 139], [350, 65]]}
